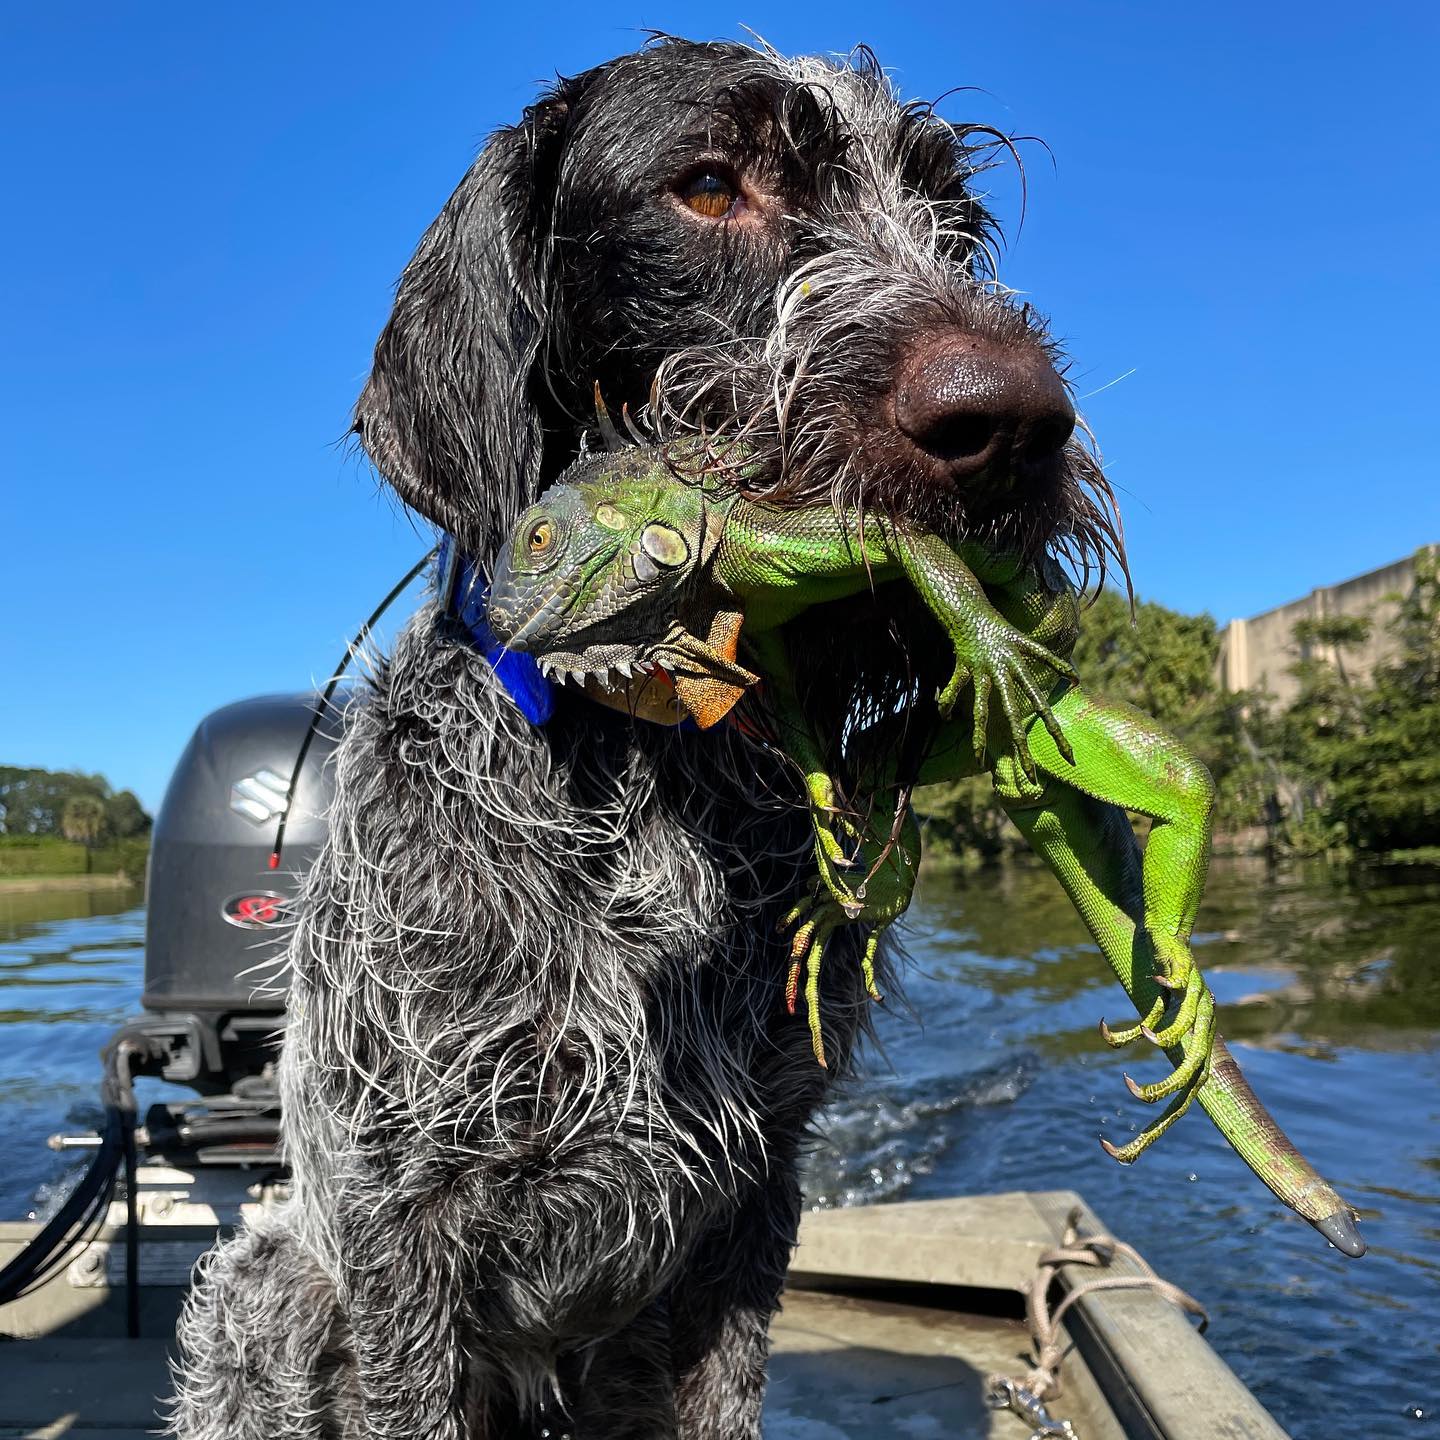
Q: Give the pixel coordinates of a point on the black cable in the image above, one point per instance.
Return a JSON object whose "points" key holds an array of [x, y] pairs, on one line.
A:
{"points": [[85, 1231], [55, 1245], [67, 1231], [46, 1265], [325, 698]]}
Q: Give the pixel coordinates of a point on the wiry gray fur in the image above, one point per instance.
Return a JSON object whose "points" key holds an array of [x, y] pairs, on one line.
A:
{"points": [[542, 1101]]}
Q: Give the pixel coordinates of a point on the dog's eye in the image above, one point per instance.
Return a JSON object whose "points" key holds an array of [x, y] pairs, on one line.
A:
{"points": [[542, 536], [710, 194]]}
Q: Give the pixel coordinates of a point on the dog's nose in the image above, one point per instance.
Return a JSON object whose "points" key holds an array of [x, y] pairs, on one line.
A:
{"points": [[980, 406]]}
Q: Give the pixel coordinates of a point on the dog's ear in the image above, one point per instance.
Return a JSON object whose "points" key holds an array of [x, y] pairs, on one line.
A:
{"points": [[449, 414]]}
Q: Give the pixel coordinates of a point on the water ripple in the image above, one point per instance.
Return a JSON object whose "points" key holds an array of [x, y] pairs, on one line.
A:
{"points": [[995, 1080]]}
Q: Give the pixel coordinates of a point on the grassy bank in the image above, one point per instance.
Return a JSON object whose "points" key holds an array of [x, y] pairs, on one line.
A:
{"points": [[48, 857]]}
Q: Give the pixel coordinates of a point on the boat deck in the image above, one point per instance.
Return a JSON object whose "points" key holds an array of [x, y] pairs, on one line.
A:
{"points": [[894, 1318]]}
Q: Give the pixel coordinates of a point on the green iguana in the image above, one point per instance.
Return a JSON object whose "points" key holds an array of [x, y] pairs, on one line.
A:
{"points": [[670, 596]]}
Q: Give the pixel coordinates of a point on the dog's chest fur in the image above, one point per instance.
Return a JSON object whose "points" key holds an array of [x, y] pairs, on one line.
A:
{"points": [[537, 972]]}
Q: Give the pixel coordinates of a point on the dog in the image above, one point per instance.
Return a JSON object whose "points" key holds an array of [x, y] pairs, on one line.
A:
{"points": [[543, 1105]]}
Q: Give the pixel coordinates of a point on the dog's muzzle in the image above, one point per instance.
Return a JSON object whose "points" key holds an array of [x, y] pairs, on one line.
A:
{"points": [[980, 408]]}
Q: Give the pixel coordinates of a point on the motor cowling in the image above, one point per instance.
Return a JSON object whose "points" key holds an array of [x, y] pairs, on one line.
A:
{"points": [[217, 915]]}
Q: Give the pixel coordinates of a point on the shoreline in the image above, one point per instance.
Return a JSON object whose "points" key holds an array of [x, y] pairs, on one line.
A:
{"points": [[40, 884]]}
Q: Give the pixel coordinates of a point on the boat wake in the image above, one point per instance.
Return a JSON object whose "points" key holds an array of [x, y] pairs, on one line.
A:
{"points": [[873, 1143]]}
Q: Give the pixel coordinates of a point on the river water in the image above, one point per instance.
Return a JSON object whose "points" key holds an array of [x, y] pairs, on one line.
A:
{"points": [[994, 1079]]}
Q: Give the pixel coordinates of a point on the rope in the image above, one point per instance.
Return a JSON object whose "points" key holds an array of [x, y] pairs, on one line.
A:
{"points": [[1026, 1397]]}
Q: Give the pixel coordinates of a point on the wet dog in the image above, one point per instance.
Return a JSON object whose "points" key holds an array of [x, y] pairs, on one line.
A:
{"points": [[542, 1102]]}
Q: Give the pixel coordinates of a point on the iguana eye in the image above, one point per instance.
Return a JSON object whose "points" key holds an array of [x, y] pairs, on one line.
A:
{"points": [[542, 536], [664, 546]]}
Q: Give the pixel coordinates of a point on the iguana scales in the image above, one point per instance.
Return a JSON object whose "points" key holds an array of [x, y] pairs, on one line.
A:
{"points": [[650, 577]]}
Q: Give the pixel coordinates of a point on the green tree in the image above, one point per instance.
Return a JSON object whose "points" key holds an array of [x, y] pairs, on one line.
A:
{"points": [[1377, 753], [1320, 726], [1335, 633], [965, 823], [83, 821], [1416, 627], [33, 801], [1160, 661], [125, 816]]}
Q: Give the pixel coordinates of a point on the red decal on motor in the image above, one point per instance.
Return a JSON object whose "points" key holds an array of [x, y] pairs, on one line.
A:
{"points": [[256, 911]]}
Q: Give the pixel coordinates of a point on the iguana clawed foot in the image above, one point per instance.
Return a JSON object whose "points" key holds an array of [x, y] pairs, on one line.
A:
{"points": [[1004, 672], [817, 921], [1191, 1029], [884, 867]]}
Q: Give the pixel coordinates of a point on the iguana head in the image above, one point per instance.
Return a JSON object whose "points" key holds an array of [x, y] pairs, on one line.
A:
{"points": [[594, 570]]}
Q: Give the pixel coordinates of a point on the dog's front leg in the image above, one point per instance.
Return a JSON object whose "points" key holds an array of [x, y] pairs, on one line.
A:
{"points": [[721, 1310], [404, 1300]]}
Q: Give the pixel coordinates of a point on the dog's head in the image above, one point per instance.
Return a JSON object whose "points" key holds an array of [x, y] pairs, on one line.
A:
{"points": [[784, 242]]}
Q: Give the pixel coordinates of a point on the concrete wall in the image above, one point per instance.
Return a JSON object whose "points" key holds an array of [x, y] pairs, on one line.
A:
{"points": [[1256, 654]]}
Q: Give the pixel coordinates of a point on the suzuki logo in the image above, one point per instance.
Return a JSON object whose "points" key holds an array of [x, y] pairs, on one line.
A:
{"points": [[261, 797]]}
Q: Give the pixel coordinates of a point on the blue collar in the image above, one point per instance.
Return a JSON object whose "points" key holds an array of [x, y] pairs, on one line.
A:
{"points": [[462, 591]]}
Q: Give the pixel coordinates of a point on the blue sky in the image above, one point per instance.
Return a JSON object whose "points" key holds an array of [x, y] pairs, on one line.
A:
{"points": [[207, 206]]}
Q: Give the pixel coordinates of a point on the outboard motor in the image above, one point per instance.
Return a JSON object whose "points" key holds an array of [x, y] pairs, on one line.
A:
{"points": [[217, 914], [219, 899]]}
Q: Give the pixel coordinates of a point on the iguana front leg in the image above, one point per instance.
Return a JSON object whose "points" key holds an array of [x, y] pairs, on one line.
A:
{"points": [[707, 676], [989, 651]]}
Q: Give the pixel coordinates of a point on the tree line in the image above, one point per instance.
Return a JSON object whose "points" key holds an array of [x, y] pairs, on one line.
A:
{"points": [[1350, 766], [69, 804]]}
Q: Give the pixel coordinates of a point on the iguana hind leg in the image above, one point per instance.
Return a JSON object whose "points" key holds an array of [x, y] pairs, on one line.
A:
{"points": [[1093, 851], [1124, 759]]}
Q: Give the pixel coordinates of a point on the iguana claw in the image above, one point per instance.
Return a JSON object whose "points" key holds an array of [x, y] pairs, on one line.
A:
{"points": [[1129, 1034], [1191, 1029], [808, 950], [1196, 995], [1128, 1154], [1190, 1070], [830, 904]]}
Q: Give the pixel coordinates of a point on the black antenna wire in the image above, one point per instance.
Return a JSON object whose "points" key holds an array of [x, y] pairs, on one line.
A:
{"points": [[319, 712]]}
